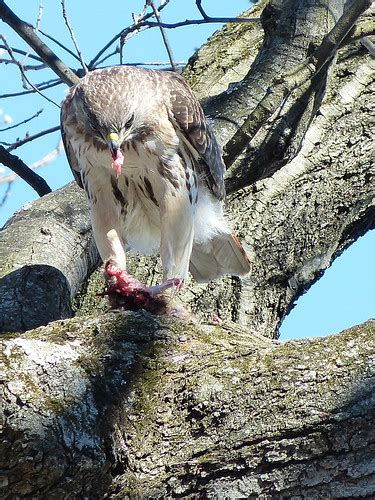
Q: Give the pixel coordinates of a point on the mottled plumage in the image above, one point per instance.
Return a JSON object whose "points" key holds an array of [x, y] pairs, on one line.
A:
{"points": [[168, 194]]}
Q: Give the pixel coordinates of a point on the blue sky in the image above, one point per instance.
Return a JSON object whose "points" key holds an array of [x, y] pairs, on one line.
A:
{"points": [[344, 296]]}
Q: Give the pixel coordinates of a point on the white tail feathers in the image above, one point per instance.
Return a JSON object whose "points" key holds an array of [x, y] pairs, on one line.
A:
{"points": [[223, 254]]}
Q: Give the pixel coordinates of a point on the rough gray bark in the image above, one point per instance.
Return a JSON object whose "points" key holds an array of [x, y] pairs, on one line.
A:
{"points": [[143, 407], [46, 251], [132, 405]]}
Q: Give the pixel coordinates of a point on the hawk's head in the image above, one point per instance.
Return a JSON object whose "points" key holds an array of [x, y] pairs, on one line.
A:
{"points": [[106, 122]]}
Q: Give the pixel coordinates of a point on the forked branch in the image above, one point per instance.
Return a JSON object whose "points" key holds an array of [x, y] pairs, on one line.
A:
{"points": [[27, 32], [283, 85]]}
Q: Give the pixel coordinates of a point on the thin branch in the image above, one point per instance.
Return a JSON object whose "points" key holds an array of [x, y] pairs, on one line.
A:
{"points": [[23, 53], [32, 138], [187, 22], [283, 85], [113, 53], [20, 168], [6, 194], [93, 62], [40, 86], [59, 44], [163, 34], [48, 158], [23, 74], [198, 3], [23, 122], [72, 36], [37, 26], [157, 63], [25, 31], [140, 26], [26, 67]]}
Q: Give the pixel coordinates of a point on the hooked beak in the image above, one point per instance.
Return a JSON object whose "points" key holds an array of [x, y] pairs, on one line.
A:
{"points": [[114, 144]]}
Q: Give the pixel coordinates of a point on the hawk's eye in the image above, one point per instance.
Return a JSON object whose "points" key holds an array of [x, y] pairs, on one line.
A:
{"points": [[128, 124]]}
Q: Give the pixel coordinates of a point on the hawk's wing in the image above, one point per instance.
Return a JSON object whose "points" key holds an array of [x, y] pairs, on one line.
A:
{"points": [[65, 117], [189, 116]]}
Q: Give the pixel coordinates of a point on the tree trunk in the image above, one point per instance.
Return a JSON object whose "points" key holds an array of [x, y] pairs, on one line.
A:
{"points": [[134, 405]]}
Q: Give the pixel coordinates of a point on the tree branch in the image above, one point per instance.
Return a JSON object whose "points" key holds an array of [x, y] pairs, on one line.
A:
{"points": [[18, 166], [59, 44], [23, 53], [163, 34], [72, 36], [186, 411], [93, 62], [48, 158], [26, 67], [39, 86], [26, 32], [25, 79], [33, 137], [23, 122], [283, 85]]}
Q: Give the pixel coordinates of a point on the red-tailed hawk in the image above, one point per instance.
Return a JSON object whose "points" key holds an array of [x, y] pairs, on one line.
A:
{"points": [[137, 141]]}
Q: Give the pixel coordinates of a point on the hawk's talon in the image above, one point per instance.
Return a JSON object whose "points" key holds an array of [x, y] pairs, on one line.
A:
{"points": [[134, 294]]}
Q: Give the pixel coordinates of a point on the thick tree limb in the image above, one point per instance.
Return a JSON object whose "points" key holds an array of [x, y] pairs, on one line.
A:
{"points": [[282, 86], [46, 251], [164, 409], [288, 262]]}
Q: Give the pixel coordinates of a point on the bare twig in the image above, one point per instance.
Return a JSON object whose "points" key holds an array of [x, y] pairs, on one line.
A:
{"points": [[198, 3], [40, 86], [6, 194], [72, 36], [163, 34], [59, 44], [187, 22], [93, 62], [49, 157], [113, 53], [26, 31], [26, 67], [23, 74], [144, 24], [37, 26], [23, 122], [23, 53], [32, 138], [178, 64], [18, 166]]}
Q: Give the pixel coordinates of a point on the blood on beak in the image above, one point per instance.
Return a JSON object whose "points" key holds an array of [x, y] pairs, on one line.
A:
{"points": [[114, 144]]}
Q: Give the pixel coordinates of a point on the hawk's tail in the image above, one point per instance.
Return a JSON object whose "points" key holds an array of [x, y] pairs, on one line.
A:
{"points": [[223, 254]]}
